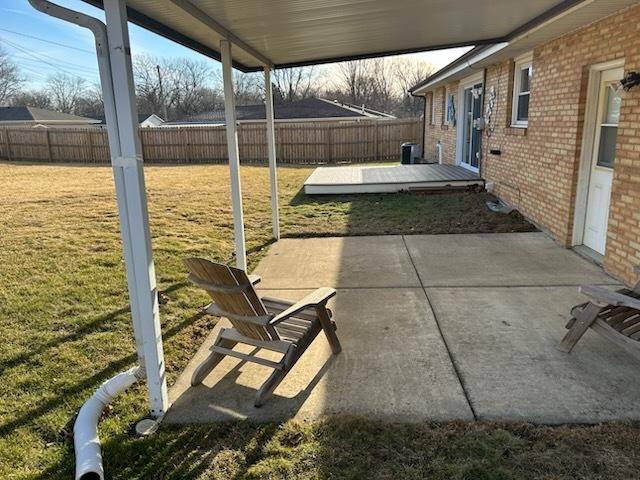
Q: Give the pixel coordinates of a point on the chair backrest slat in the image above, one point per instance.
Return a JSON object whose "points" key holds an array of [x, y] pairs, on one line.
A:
{"points": [[232, 292]]}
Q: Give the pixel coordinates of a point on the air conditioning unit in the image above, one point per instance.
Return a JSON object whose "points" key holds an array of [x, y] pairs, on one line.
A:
{"points": [[411, 153]]}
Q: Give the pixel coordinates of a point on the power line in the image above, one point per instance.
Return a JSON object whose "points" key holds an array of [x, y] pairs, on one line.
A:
{"points": [[47, 41], [33, 71], [42, 60], [44, 56], [24, 58]]}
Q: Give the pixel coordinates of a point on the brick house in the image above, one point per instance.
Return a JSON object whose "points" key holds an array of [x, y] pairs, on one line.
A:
{"points": [[561, 138]]}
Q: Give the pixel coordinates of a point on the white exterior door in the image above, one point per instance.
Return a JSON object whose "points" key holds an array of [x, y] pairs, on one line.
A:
{"points": [[604, 151]]}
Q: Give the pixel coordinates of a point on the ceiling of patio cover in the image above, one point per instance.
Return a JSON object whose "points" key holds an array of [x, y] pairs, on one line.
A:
{"points": [[303, 32]]}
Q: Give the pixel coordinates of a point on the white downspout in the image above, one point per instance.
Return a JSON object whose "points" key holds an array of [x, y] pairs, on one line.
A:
{"points": [[85, 429]]}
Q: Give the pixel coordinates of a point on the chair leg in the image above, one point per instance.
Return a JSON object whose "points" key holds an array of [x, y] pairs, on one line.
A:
{"points": [[208, 364], [329, 329], [584, 320], [269, 386]]}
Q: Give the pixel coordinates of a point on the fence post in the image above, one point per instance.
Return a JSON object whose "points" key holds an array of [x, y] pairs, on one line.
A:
{"points": [[90, 142], [8, 142], [46, 133], [329, 150], [376, 150]]}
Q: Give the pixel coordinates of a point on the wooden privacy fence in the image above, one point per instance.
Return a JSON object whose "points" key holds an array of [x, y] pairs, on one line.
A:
{"points": [[297, 143]]}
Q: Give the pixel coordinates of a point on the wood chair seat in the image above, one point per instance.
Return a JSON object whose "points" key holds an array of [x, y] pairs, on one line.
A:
{"points": [[614, 315], [274, 324]]}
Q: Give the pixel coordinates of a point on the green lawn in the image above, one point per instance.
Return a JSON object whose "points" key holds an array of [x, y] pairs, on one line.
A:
{"points": [[65, 327]]}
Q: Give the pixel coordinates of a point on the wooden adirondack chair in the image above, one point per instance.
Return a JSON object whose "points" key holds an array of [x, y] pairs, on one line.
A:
{"points": [[614, 315], [273, 324]]}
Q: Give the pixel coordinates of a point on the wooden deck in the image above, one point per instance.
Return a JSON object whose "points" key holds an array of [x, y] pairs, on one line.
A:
{"points": [[388, 178]]}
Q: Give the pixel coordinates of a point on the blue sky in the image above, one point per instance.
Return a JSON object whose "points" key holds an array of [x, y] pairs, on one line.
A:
{"points": [[42, 45]]}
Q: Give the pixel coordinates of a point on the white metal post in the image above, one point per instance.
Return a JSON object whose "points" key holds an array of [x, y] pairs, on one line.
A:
{"points": [[132, 206], [234, 158], [271, 147]]}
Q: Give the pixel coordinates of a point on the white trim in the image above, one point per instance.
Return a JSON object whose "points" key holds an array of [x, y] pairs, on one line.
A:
{"points": [[586, 156], [271, 151], [131, 198], [234, 156], [391, 187], [220, 123], [463, 66], [522, 62], [362, 110], [433, 107], [465, 83], [471, 79]]}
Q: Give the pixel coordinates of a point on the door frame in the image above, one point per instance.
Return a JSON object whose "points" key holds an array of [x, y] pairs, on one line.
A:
{"points": [[465, 83], [587, 146]]}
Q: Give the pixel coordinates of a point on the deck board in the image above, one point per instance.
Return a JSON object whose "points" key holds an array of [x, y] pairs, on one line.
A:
{"points": [[387, 178]]}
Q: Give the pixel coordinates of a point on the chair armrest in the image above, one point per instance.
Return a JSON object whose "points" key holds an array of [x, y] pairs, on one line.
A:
{"points": [[320, 297], [254, 279], [616, 299]]}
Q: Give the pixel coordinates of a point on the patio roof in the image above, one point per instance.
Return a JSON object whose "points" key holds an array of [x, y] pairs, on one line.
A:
{"points": [[284, 33], [571, 18]]}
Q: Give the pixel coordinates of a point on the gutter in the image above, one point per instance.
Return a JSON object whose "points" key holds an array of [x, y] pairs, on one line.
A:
{"points": [[458, 66]]}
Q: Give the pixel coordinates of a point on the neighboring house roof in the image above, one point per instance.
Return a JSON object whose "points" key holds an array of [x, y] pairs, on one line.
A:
{"points": [[39, 115], [577, 16], [142, 117], [307, 109], [152, 120]]}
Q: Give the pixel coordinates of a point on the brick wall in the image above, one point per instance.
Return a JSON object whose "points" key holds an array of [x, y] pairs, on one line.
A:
{"points": [[439, 130], [537, 170]]}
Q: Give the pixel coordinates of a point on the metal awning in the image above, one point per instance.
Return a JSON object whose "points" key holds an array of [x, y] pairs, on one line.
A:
{"points": [[302, 32], [570, 19]]}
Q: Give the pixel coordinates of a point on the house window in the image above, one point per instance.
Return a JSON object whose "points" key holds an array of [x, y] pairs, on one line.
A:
{"points": [[433, 108], [522, 91]]}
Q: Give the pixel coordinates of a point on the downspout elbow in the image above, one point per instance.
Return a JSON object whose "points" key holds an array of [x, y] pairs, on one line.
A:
{"points": [[85, 429]]}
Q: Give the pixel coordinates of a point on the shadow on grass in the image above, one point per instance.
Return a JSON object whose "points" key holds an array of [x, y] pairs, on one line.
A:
{"points": [[92, 326], [345, 447], [93, 381]]}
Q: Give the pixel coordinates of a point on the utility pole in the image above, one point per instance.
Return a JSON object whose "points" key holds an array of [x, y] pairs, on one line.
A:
{"points": [[163, 102]]}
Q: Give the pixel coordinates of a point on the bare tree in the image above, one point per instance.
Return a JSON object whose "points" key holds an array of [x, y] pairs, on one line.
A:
{"points": [[33, 98], [190, 93], [380, 84], [91, 104], [66, 91], [409, 73], [384, 83], [295, 83], [248, 88], [146, 76], [180, 87], [10, 79], [353, 81]]}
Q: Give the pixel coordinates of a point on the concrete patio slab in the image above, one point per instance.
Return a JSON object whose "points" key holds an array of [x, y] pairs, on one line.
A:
{"points": [[504, 343], [500, 301], [340, 262], [508, 259], [393, 367]]}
